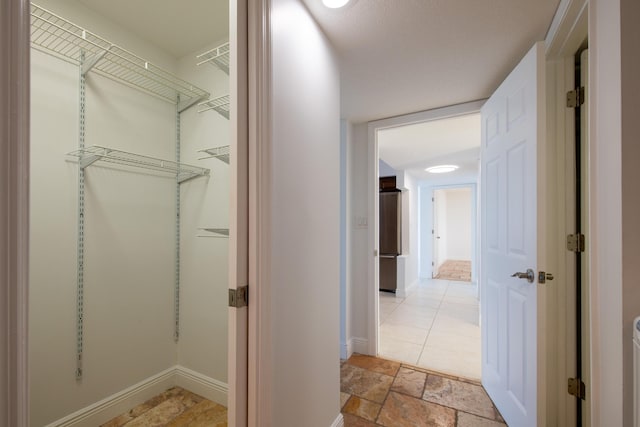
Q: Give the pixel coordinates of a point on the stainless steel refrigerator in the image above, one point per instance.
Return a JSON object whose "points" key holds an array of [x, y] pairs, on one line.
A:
{"points": [[390, 238]]}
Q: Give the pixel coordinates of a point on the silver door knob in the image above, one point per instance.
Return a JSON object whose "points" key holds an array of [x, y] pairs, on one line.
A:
{"points": [[530, 275]]}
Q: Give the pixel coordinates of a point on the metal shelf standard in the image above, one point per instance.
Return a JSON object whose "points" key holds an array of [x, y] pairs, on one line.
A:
{"points": [[218, 57], [90, 155], [220, 153], [56, 36]]}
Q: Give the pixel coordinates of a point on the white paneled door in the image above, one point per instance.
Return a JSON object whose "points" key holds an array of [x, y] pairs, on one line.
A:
{"points": [[512, 124]]}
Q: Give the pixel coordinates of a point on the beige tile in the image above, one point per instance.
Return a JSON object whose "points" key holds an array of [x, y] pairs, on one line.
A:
{"points": [[406, 411], [454, 342], [203, 414], [427, 301], [444, 324], [411, 317], [469, 420], [460, 395], [409, 381], [374, 364], [343, 398], [403, 351], [362, 408], [451, 361], [355, 421], [404, 332], [364, 383]]}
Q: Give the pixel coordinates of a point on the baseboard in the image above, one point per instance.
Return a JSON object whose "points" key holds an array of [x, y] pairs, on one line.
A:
{"points": [[339, 421], [212, 389], [118, 403], [357, 345]]}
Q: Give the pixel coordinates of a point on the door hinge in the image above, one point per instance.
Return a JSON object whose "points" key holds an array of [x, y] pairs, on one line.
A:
{"points": [[575, 98], [239, 297], [576, 388], [575, 243]]}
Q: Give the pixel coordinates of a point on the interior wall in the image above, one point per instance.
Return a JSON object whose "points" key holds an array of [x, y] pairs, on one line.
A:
{"points": [[129, 233], [204, 204], [630, 152], [410, 231], [458, 212], [305, 225], [357, 236]]}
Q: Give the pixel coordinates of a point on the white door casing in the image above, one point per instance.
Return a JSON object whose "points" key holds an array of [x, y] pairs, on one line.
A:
{"points": [[511, 127]]}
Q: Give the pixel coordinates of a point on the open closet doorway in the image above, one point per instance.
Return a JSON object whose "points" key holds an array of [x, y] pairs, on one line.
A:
{"points": [[137, 212], [432, 318]]}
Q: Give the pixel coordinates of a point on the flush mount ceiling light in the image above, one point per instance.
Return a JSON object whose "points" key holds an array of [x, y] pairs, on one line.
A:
{"points": [[442, 169], [334, 4]]}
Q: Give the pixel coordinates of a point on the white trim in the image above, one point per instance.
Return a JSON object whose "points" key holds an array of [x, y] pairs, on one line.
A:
{"points": [[14, 212], [118, 403], [338, 422], [357, 345], [122, 401], [568, 28], [260, 143], [372, 158], [205, 386]]}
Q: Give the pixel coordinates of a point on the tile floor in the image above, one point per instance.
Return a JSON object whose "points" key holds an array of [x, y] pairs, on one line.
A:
{"points": [[175, 407], [377, 392], [435, 327]]}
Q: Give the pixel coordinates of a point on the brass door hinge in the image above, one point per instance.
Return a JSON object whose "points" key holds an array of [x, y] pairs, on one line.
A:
{"points": [[575, 98], [575, 242], [576, 388], [239, 297]]}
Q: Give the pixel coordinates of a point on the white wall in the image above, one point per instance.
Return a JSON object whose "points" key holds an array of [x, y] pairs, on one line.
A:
{"points": [[129, 235], [305, 216], [357, 238], [204, 256], [410, 231], [458, 212], [614, 65]]}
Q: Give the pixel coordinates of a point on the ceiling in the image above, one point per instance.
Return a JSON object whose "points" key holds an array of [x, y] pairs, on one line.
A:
{"points": [[178, 27], [403, 56], [413, 148]]}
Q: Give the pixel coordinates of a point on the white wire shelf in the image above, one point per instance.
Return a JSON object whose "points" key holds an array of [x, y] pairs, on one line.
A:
{"points": [[219, 104], [57, 36], [218, 57], [215, 232], [220, 153], [90, 155]]}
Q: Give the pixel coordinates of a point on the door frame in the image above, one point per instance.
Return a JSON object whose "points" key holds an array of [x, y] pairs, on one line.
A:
{"points": [[372, 200], [15, 34]]}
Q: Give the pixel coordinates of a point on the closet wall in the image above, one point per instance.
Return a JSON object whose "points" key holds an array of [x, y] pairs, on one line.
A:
{"points": [[129, 232]]}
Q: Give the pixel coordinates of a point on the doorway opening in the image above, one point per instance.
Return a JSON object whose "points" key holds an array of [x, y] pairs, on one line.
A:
{"points": [[429, 321]]}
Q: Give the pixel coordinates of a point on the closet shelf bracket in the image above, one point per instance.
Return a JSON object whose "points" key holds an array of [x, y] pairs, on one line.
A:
{"points": [[219, 105], [90, 155], [91, 62], [220, 153], [218, 57]]}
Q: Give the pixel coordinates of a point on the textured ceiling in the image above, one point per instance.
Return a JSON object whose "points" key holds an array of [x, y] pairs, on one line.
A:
{"points": [[413, 148], [402, 56], [178, 26]]}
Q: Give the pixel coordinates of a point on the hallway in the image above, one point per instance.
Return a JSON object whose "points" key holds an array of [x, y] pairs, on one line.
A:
{"points": [[435, 327], [377, 392]]}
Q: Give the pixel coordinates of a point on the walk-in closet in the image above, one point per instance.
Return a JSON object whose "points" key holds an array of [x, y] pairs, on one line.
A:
{"points": [[130, 205]]}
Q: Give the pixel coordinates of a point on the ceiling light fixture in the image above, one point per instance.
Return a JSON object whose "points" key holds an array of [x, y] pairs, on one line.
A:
{"points": [[442, 169], [334, 4]]}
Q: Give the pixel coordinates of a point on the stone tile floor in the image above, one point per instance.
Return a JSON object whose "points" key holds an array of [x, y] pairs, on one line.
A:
{"points": [[376, 392], [175, 407]]}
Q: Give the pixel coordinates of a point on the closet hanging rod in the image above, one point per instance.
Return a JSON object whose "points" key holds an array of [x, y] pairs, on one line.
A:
{"points": [[219, 104], [90, 155], [221, 153], [55, 35], [218, 57]]}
